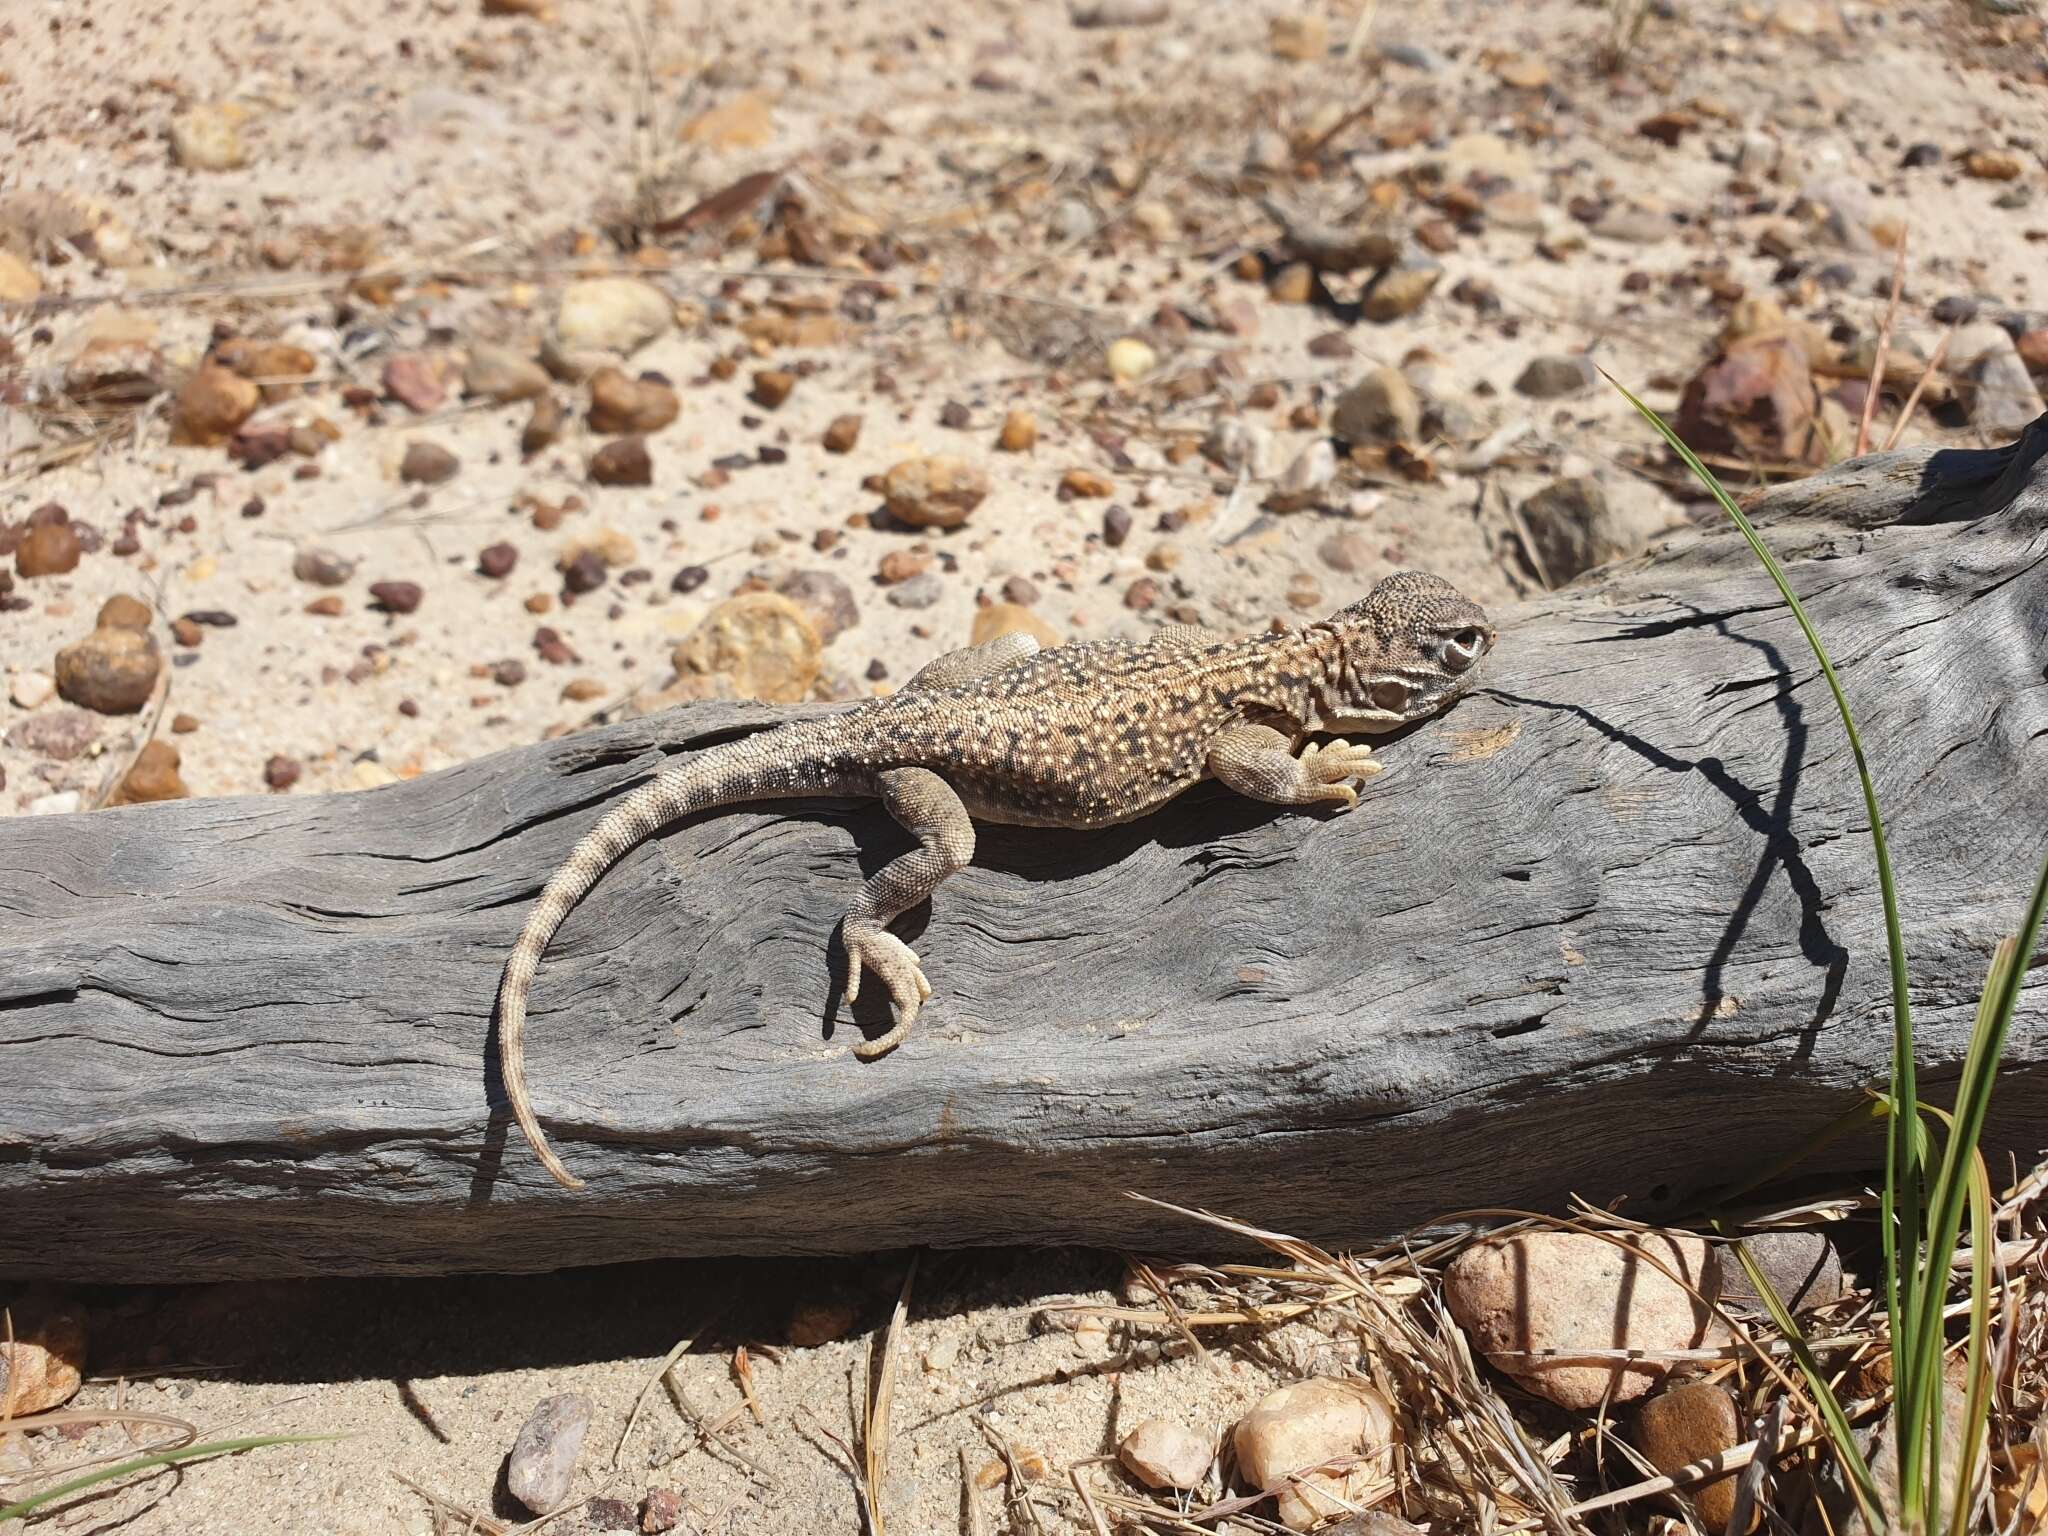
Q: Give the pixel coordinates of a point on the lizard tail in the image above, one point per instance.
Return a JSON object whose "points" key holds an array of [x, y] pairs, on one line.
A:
{"points": [[750, 769]]}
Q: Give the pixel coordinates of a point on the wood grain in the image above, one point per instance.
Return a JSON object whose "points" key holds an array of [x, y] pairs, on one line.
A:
{"points": [[1610, 926]]}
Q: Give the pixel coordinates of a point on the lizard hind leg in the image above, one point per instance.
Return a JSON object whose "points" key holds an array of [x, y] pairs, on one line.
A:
{"points": [[972, 663], [927, 807]]}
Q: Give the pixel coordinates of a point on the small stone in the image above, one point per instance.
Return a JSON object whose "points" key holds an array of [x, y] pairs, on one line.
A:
{"points": [[543, 1460], [622, 404], [825, 598], [1130, 359], [920, 591], [1079, 484], [1021, 590], [747, 121], [1522, 71], [582, 690], [1756, 399], [427, 463], [1802, 1266], [1011, 619], [772, 387], [501, 375], [582, 570], [1576, 529], [1118, 13], [209, 138], [1546, 1293], [2033, 349], [1556, 376], [842, 433], [543, 425], [186, 633], [1348, 552], [45, 1364], [1400, 290], [661, 1510], [1689, 1423], [900, 565], [153, 777], [32, 690], [2003, 399], [1380, 408], [211, 406], [1116, 526], [19, 283], [935, 492], [611, 314], [1302, 39], [1142, 595], [689, 579], [328, 607], [112, 671], [62, 734], [275, 366], [1992, 165], [281, 772], [508, 674], [51, 550], [124, 612], [760, 644], [1919, 156], [115, 370], [415, 382], [1020, 431], [1161, 1453], [1667, 128], [623, 461], [1294, 283], [1306, 481], [183, 724], [497, 560], [322, 567], [1297, 1428], [396, 596]]}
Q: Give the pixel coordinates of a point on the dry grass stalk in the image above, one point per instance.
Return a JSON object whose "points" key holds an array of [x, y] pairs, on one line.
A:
{"points": [[1884, 345], [881, 1400]]}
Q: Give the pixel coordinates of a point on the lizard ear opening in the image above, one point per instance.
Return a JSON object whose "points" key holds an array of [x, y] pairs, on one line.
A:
{"points": [[1391, 697]]}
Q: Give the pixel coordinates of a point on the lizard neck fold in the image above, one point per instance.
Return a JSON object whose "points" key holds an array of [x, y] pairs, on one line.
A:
{"points": [[1301, 679]]}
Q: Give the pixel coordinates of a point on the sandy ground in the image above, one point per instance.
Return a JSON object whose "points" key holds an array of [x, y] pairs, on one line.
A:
{"points": [[1042, 189]]}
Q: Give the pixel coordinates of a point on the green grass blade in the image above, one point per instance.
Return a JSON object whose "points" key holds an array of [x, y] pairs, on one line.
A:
{"points": [[1977, 1405], [1840, 1436], [144, 1463], [1907, 1299]]}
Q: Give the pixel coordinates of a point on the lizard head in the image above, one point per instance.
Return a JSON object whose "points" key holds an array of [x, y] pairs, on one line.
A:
{"points": [[1402, 653]]}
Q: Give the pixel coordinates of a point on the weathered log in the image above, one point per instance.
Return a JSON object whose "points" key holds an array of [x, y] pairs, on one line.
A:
{"points": [[1610, 926]]}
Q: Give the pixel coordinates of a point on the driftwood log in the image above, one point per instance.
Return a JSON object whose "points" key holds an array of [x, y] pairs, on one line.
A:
{"points": [[1611, 926]]}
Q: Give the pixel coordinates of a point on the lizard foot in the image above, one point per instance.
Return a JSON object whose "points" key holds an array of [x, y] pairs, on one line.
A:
{"points": [[896, 963], [1330, 764]]}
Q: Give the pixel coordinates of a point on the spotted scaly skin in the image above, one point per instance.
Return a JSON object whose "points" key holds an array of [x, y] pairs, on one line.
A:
{"points": [[1081, 736]]}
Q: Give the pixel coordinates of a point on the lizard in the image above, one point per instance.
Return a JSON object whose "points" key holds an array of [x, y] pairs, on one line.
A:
{"points": [[1078, 736]]}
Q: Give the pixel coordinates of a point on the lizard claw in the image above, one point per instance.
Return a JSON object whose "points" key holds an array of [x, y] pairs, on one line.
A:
{"points": [[897, 964], [1333, 763]]}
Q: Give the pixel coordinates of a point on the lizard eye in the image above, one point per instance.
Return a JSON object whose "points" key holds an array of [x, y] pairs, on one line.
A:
{"points": [[1463, 649]]}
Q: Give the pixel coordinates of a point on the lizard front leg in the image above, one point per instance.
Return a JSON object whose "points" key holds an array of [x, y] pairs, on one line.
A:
{"points": [[1257, 760], [929, 810]]}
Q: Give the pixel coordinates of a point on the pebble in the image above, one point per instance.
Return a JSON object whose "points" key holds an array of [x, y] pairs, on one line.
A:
{"points": [[115, 370], [31, 690], [1303, 1426], [209, 138], [1161, 1453], [153, 777], [211, 406], [396, 596], [1268, 153], [427, 463], [1555, 1291], [1085, 484], [610, 314], [1992, 165], [1011, 619], [842, 433], [619, 403], [934, 492], [2033, 349], [623, 461], [1802, 1266], [123, 612], [689, 579], [322, 567], [60, 735], [760, 645], [2004, 401], [281, 772], [543, 425], [1348, 552], [1116, 526], [920, 591], [1576, 528], [183, 724], [1119, 13], [1754, 398], [1294, 283], [900, 565], [415, 382], [825, 598], [112, 670], [772, 386], [19, 283], [1556, 376], [1142, 595], [1019, 433], [1400, 290], [497, 560], [543, 1460], [1300, 39], [50, 550], [582, 570], [661, 1510], [45, 1364], [1130, 359], [1305, 482], [501, 375], [1380, 408], [1688, 1423]]}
